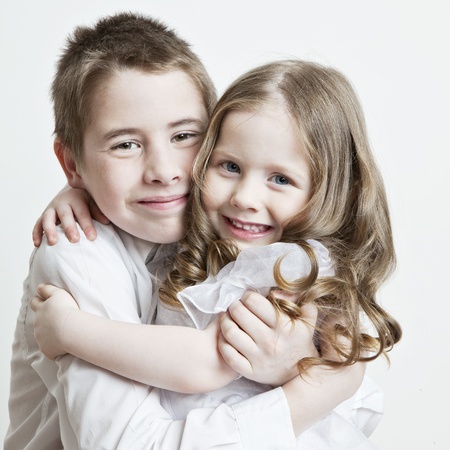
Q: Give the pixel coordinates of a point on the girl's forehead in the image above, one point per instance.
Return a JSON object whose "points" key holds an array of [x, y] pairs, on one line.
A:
{"points": [[271, 115], [266, 139]]}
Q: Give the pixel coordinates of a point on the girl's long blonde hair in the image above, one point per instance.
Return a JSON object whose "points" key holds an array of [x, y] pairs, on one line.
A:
{"points": [[347, 212]]}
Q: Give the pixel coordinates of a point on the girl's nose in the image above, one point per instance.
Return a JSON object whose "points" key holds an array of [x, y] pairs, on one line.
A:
{"points": [[246, 196]]}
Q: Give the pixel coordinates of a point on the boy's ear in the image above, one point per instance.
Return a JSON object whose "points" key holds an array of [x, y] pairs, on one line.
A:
{"points": [[68, 164]]}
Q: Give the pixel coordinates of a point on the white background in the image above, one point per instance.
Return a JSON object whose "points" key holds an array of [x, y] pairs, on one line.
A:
{"points": [[396, 53]]}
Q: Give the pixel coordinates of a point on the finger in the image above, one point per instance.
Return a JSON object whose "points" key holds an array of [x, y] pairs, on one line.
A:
{"points": [[49, 219], [46, 290], [232, 357], [37, 233], [309, 314], [35, 303], [67, 218], [84, 218], [236, 337], [249, 322], [261, 307], [97, 213]]}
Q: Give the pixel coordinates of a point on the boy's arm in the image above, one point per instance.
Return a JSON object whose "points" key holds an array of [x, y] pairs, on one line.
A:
{"points": [[314, 396], [70, 205], [267, 420], [311, 396]]}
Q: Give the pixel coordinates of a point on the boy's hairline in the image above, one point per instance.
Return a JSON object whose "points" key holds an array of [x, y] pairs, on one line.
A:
{"points": [[89, 48]]}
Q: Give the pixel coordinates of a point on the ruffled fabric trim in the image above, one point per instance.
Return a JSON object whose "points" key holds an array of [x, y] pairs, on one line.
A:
{"points": [[252, 270]]}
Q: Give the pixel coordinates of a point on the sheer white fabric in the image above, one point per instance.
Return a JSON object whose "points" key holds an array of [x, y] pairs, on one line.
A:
{"points": [[252, 270]]}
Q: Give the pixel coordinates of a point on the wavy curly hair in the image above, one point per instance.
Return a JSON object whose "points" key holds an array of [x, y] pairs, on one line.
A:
{"points": [[347, 212]]}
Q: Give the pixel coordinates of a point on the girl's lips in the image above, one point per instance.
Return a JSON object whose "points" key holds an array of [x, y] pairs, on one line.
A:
{"points": [[163, 202], [246, 230]]}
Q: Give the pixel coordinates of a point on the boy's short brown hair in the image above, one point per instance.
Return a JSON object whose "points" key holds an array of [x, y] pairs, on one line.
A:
{"points": [[93, 54]]}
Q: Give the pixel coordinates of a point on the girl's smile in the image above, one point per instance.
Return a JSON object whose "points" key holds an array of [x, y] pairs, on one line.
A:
{"points": [[246, 230]]}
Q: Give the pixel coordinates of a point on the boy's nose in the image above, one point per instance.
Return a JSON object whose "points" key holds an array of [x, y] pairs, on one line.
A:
{"points": [[161, 167]]}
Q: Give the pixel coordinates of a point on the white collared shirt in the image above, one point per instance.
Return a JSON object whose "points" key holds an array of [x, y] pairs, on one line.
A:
{"points": [[72, 404]]}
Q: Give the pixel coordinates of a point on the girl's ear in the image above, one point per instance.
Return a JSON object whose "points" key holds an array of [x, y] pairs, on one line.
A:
{"points": [[68, 164]]}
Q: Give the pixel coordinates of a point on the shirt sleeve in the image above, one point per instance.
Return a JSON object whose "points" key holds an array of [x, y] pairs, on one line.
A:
{"points": [[261, 422], [94, 404], [107, 411]]}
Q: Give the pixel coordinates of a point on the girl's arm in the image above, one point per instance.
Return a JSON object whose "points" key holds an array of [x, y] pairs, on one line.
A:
{"points": [[69, 206], [310, 397], [186, 360], [177, 358], [181, 359]]}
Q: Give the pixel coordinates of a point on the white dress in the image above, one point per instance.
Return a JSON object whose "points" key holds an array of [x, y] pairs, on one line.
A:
{"points": [[349, 424]]}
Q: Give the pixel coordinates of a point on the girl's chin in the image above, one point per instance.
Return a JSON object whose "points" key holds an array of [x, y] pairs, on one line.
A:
{"points": [[243, 245]]}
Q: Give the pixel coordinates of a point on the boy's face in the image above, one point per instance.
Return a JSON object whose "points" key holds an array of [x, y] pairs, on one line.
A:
{"points": [[139, 149]]}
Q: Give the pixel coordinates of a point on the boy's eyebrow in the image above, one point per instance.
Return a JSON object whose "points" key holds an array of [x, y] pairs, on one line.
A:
{"points": [[187, 121], [123, 131], [119, 132]]}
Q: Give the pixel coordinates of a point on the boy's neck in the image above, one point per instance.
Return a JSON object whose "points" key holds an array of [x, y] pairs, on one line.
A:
{"points": [[142, 247]]}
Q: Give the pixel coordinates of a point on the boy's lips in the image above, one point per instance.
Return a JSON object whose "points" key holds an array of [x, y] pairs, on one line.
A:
{"points": [[162, 202]]}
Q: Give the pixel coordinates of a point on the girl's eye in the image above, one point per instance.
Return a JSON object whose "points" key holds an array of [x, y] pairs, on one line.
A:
{"points": [[230, 166], [183, 136], [126, 146], [280, 179]]}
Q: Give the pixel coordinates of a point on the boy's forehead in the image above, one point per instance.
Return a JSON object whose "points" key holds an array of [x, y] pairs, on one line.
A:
{"points": [[138, 99], [164, 81]]}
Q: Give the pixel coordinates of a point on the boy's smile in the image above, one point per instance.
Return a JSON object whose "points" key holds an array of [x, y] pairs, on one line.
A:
{"points": [[139, 149], [258, 176]]}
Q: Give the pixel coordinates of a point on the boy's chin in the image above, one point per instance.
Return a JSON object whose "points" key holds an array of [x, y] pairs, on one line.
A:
{"points": [[167, 235]]}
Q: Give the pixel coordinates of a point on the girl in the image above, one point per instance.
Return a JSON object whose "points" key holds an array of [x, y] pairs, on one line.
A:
{"points": [[285, 159]]}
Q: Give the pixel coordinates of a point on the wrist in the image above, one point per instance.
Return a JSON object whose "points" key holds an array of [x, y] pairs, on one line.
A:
{"points": [[64, 338]]}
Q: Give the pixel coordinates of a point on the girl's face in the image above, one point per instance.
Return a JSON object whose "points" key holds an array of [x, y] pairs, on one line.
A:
{"points": [[258, 176]]}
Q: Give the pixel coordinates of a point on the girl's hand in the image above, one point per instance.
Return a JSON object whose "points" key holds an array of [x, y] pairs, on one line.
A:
{"points": [[70, 205], [263, 345], [52, 309]]}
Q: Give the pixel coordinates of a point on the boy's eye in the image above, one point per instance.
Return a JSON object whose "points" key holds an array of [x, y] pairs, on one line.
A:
{"points": [[280, 179], [230, 166], [126, 146], [183, 136]]}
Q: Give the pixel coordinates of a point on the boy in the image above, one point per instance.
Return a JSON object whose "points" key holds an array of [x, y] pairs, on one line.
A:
{"points": [[131, 102]]}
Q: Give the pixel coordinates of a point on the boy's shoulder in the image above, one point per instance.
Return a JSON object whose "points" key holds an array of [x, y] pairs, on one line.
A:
{"points": [[107, 259], [107, 243], [106, 234]]}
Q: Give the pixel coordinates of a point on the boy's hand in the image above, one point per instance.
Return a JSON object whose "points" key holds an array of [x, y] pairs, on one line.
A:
{"points": [[70, 205], [52, 310], [263, 345]]}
